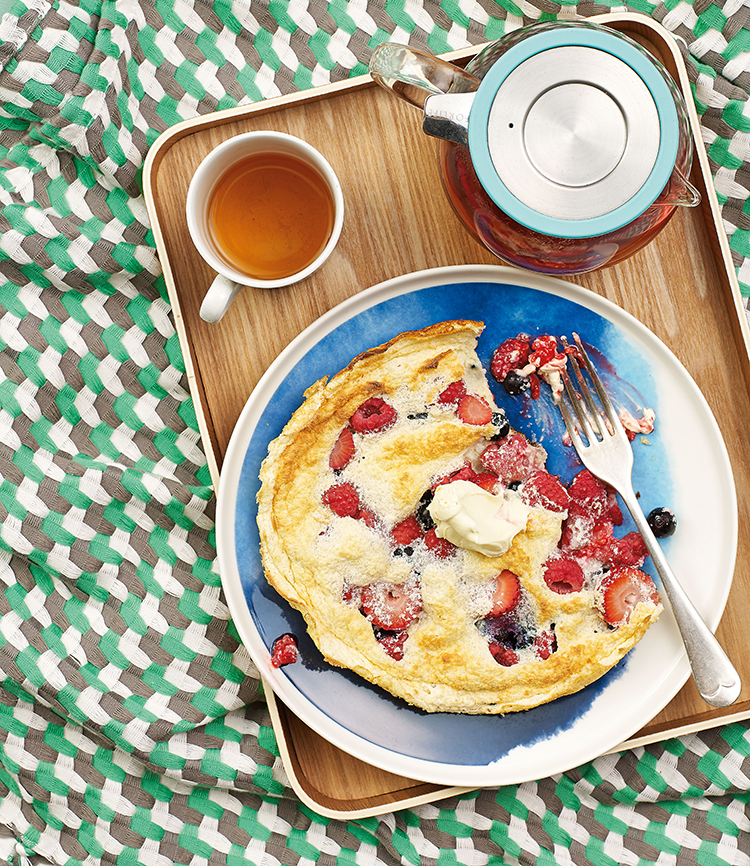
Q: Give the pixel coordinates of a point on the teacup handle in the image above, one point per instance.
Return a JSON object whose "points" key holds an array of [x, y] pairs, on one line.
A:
{"points": [[414, 75], [219, 297]]}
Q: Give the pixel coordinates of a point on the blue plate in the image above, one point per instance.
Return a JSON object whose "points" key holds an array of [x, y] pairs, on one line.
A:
{"points": [[466, 750]]}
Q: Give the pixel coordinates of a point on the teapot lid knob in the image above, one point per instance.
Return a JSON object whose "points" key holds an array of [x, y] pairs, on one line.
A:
{"points": [[574, 131]]}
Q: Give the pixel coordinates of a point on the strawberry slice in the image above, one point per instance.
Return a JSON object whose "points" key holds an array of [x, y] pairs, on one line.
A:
{"points": [[621, 592], [342, 451], [506, 594], [453, 393], [392, 606], [486, 480], [474, 410], [373, 416]]}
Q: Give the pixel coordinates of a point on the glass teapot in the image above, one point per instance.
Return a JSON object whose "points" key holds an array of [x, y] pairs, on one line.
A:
{"points": [[566, 145]]}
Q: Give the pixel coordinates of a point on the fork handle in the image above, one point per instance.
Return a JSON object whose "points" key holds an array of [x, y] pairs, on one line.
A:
{"points": [[715, 676]]}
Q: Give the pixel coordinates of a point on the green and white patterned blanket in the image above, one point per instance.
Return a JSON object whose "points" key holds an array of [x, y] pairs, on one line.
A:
{"points": [[132, 727]]}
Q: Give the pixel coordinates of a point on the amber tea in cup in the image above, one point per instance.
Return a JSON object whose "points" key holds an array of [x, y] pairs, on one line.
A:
{"points": [[271, 215], [264, 209]]}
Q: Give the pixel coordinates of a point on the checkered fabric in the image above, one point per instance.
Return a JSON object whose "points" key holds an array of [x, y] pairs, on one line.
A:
{"points": [[132, 726]]}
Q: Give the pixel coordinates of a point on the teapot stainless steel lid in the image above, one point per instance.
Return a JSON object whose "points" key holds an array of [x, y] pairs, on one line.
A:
{"points": [[573, 132]]}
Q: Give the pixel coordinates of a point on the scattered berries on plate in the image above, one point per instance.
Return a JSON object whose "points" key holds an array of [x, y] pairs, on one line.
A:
{"points": [[284, 650], [502, 424], [516, 383], [662, 522], [510, 355]]}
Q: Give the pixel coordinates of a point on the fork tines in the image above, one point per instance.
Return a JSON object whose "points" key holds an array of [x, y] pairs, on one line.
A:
{"points": [[592, 416]]}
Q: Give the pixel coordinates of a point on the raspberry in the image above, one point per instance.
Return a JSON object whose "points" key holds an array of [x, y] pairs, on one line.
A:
{"points": [[542, 490], [563, 576], [453, 393], [369, 518], [587, 490], [392, 643], [373, 416], [465, 473], [600, 543], [440, 547], [513, 459], [510, 355], [503, 655], [544, 350], [284, 651], [406, 532], [630, 550], [342, 499], [545, 643]]}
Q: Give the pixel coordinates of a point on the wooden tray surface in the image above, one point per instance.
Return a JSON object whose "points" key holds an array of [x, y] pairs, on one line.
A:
{"points": [[397, 220]]}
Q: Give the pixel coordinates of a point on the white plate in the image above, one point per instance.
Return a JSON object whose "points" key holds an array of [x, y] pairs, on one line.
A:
{"points": [[682, 465]]}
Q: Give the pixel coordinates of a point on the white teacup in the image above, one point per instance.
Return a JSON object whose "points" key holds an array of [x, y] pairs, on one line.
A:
{"points": [[238, 238]]}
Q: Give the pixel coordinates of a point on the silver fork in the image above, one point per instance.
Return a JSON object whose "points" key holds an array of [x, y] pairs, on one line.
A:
{"points": [[608, 454]]}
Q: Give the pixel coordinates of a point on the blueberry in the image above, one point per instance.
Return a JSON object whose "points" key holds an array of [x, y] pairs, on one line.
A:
{"points": [[502, 424], [662, 522], [424, 518], [507, 630], [516, 384], [418, 416]]}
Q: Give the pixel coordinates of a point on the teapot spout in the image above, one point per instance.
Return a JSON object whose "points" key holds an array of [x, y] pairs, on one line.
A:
{"points": [[679, 191]]}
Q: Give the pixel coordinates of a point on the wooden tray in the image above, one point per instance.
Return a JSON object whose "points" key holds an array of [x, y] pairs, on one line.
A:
{"points": [[682, 286]]}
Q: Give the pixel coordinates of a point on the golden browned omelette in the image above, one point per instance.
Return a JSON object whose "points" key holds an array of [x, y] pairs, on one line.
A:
{"points": [[428, 549]]}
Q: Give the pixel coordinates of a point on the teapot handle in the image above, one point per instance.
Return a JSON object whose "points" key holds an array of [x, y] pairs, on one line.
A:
{"points": [[414, 75]]}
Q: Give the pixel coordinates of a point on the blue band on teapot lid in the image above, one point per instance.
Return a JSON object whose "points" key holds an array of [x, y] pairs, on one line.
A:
{"points": [[574, 131]]}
